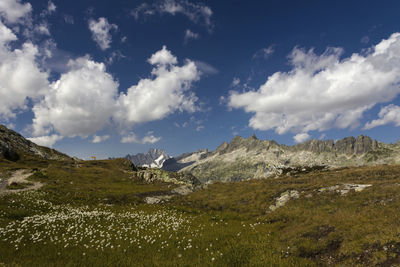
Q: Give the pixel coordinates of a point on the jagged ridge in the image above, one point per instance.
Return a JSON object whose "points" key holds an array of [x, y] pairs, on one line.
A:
{"points": [[153, 158], [246, 158]]}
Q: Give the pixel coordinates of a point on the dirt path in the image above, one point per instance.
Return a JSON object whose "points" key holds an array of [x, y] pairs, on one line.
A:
{"points": [[18, 177]]}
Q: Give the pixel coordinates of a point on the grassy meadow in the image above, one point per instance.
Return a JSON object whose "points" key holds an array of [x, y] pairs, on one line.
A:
{"points": [[92, 213]]}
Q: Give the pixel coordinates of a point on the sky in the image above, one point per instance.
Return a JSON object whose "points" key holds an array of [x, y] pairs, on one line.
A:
{"points": [[108, 78]]}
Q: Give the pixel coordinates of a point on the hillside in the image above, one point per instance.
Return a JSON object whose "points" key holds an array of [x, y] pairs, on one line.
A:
{"points": [[14, 146], [246, 158]]}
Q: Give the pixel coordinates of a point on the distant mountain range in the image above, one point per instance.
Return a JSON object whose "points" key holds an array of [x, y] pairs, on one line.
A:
{"points": [[247, 158], [240, 159], [154, 158]]}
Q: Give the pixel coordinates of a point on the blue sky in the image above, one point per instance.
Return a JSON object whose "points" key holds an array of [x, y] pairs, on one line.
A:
{"points": [[107, 78]]}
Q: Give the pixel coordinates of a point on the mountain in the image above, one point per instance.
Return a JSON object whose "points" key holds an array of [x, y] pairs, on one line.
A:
{"points": [[14, 146], [154, 158], [186, 159], [247, 158]]}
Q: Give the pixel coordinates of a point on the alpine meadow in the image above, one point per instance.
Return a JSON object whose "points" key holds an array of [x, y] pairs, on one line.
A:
{"points": [[199, 133]]}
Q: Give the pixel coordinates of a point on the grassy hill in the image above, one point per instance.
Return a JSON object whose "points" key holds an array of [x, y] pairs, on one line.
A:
{"points": [[93, 213]]}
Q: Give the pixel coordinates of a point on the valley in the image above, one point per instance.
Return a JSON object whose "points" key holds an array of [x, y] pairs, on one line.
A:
{"points": [[97, 213]]}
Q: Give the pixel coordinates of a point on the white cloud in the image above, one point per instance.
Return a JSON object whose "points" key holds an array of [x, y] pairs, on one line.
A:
{"points": [[13, 10], [42, 29], [206, 68], [324, 91], [163, 57], [264, 52], [115, 55], [166, 92], [101, 32], [189, 35], [99, 139], [20, 76], [85, 99], [48, 141], [132, 138], [150, 139], [388, 115], [80, 103], [196, 12], [51, 7], [301, 137], [235, 82]]}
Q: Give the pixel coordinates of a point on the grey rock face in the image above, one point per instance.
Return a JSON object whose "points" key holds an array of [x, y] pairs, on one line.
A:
{"points": [[348, 145]]}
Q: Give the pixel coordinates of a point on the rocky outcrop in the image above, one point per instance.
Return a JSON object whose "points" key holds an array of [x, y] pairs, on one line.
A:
{"points": [[13, 146], [152, 175]]}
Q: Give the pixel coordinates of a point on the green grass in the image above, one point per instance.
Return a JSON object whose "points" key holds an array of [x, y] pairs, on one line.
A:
{"points": [[93, 214]]}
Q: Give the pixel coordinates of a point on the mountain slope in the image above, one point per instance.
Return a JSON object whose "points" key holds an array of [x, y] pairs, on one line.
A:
{"points": [[246, 158], [13, 146], [154, 158]]}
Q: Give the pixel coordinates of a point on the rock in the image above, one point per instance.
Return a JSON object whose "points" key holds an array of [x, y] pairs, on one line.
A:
{"points": [[157, 199], [284, 198], [182, 190], [344, 188]]}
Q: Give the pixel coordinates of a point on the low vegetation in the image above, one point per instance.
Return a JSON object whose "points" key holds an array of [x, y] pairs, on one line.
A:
{"points": [[92, 213]]}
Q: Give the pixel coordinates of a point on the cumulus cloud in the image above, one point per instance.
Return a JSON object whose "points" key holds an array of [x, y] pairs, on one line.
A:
{"points": [[48, 141], [388, 115], [167, 91], [80, 103], [324, 91], [264, 52], [99, 139], [85, 99], [101, 32], [13, 10], [132, 138], [189, 35], [20, 76], [196, 12], [301, 137]]}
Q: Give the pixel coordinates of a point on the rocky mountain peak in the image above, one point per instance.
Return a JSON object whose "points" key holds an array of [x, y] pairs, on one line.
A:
{"points": [[153, 158]]}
